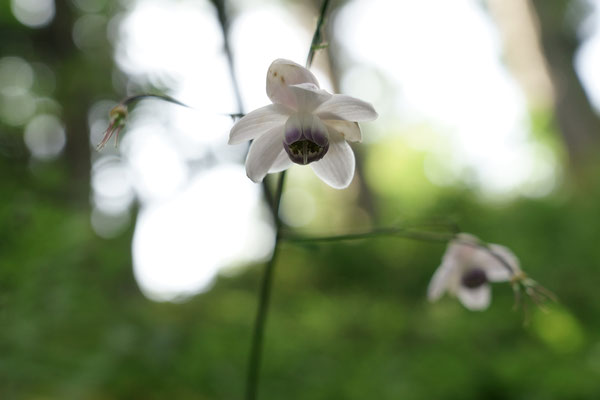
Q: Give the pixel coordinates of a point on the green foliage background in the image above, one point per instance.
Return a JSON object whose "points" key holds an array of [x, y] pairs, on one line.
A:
{"points": [[348, 320]]}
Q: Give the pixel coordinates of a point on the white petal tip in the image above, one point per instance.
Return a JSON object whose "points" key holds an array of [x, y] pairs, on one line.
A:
{"points": [[347, 108], [337, 167], [233, 140], [341, 187], [372, 115], [253, 179]]}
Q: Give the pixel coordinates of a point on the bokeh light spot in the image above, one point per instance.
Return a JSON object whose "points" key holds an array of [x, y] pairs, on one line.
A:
{"points": [[16, 76], [298, 207], [89, 32], [559, 330], [109, 225], [113, 191], [181, 244], [17, 109], [45, 137], [33, 13]]}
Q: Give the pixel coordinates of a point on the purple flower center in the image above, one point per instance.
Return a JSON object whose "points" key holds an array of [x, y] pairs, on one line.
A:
{"points": [[304, 151], [474, 278], [306, 139]]}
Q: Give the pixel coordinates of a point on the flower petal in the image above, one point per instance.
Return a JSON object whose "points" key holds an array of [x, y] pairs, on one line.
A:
{"points": [[447, 276], [497, 271], [348, 129], [439, 282], [258, 122], [347, 108], [337, 167], [305, 126], [263, 153], [283, 73], [309, 96], [477, 299], [282, 162], [305, 138]]}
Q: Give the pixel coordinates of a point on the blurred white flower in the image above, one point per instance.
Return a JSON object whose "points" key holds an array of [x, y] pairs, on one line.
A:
{"points": [[467, 268], [304, 125]]}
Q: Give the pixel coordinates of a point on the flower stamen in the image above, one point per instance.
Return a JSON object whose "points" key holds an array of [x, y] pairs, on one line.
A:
{"points": [[117, 116], [304, 151], [305, 139]]}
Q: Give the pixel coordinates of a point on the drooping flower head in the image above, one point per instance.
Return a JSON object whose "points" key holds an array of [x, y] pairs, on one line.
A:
{"points": [[117, 117], [304, 125], [467, 268]]}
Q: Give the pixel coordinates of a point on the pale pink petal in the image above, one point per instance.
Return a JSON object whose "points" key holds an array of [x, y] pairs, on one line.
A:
{"points": [[337, 167], [439, 282], [496, 271], [448, 274], [348, 129], [456, 259], [497, 261], [477, 299], [309, 96], [283, 73], [258, 122], [347, 108], [282, 162], [263, 153]]}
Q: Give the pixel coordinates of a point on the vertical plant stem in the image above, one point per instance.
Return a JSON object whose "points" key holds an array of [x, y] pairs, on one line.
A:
{"points": [[317, 37], [224, 22], [220, 6], [263, 303], [254, 362]]}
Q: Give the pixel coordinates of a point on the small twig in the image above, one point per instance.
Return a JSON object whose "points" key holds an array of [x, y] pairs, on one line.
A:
{"points": [[317, 37], [128, 100], [380, 232], [263, 303], [267, 281], [118, 115]]}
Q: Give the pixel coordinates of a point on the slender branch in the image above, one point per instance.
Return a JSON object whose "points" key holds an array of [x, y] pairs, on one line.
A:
{"points": [[269, 197], [128, 100], [267, 281], [317, 37], [224, 22], [399, 232], [518, 279], [501, 259], [277, 201], [263, 304], [381, 232], [132, 99]]}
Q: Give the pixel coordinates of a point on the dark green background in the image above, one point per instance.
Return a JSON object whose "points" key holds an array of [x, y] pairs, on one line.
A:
{"points": [[348, 320]]}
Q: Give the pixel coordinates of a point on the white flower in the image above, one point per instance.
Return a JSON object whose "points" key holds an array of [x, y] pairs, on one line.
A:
{"points": [[468, 266], [304, 125]]}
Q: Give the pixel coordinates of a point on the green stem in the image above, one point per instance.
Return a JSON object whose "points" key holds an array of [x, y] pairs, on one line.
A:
{"points": [[128, 100], [263, 303], [267, 280], [398, 232], [132, 99], [317, 37], [380, 232]]}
